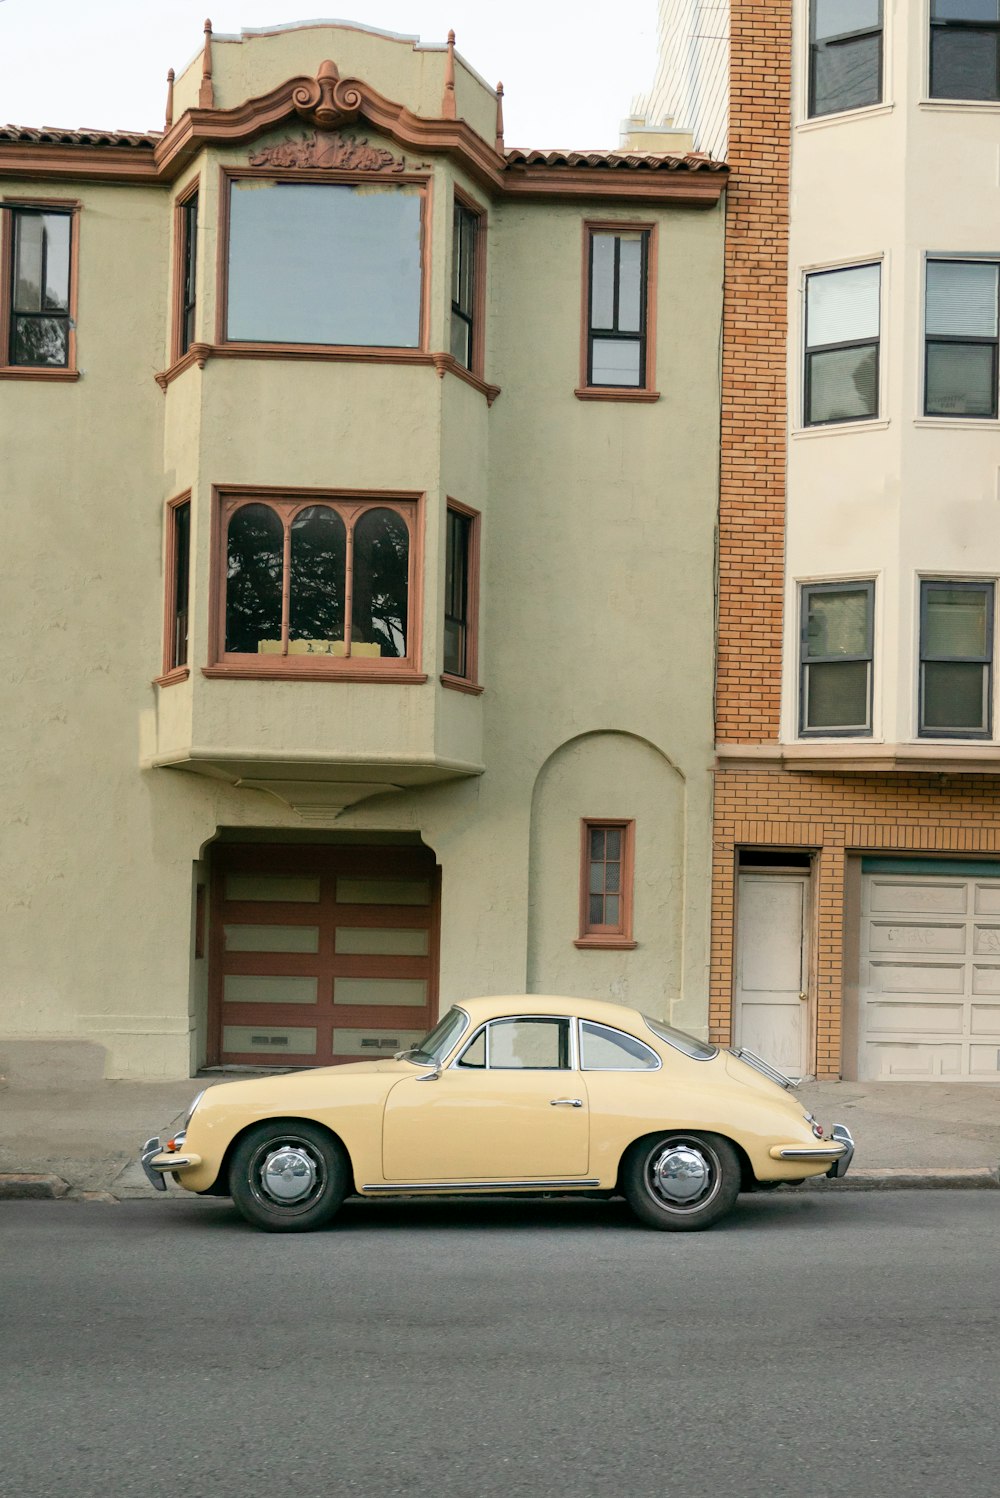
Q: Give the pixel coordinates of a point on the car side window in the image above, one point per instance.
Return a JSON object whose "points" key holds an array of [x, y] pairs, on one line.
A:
{"points": [[604, 1049], [474, 1054], [529, 1045]]}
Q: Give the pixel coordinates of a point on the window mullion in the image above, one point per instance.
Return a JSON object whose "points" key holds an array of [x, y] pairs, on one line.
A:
{"points": [[616, 283], [349, 588], [286, 581]]}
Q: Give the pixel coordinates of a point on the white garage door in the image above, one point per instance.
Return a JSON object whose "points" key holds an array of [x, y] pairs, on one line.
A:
{"points": [[930, 977]]}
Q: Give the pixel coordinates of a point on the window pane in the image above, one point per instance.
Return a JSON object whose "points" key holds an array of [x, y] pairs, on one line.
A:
{"points": [[41, 262], [456, 592], [962, 298], [475, 1054], [461, 340], [954, 696], [528, 1044], [597, 835], [612, 878], [842, 306], [835, 17], [317, 575], [597, 878], [611, 916], [468, 238], [838, 623], [182, 567], [40, 341], [837, 695], [324, 264], [843, 385], [253, 580], [610, 1050], [965, 10], [630, 283], [380, 579], [961, 379], [602, 281], [614, 844], [596, 908], [956, 622], [616, 361], [847, 75], [964, 64]]}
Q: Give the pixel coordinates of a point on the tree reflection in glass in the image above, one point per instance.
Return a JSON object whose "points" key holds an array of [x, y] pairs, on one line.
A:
{"points": [[255, 555], [380, 581], [317, 573]]}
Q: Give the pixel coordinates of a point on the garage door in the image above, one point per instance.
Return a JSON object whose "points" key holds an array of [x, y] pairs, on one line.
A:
{"points": [[930, 979], [321, 954]]}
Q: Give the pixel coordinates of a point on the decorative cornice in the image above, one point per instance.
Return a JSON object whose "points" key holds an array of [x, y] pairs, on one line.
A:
{"points": [[326, 151]]}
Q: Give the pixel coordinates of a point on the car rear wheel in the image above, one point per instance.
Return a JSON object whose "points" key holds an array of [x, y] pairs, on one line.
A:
{"points": [[287, 1178], [681, 1182]]}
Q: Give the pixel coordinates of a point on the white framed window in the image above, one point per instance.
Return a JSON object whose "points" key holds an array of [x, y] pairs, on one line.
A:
{"points": [[842, 344], [845, 55], [956, 658], [965, 50], [961, 337], [836, 658]]}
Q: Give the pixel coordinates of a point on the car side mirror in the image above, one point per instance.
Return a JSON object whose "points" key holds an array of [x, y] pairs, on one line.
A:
{"points": [[432, 1076]]}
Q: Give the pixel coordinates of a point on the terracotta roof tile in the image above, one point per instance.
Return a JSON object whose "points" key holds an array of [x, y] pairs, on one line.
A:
{"points": [[659, 161], [52, 135]]}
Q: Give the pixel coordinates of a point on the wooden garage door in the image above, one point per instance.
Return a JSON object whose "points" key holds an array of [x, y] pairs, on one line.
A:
{"points": [[930, 977], [320, 954]]}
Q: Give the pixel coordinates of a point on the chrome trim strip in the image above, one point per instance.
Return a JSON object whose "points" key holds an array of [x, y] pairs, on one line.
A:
{"points": [[831, 1151], [759, 1064], [407, 1188], [174, 1162]]}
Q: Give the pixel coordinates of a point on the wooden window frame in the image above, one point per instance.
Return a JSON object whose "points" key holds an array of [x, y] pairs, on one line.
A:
{"points": [[174, 670], [227, 499], [815, 47], [929, 585], [809, 349], [619, 937], [477, 321], [961, 340], [181, 344], [470, 681], [839, 585], [646, 392], [70, 208], [361, 353], [940, 26]]}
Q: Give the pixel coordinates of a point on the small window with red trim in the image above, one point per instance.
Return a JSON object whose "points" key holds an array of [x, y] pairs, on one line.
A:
{"points": [[606, 883]]}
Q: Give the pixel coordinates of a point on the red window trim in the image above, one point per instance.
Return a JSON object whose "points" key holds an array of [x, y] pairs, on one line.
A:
{"points": [[177, 288], [226, 499], [172, 673], [70, 206], [469, 203], [646, 392], [617, 937], [470, 681]]}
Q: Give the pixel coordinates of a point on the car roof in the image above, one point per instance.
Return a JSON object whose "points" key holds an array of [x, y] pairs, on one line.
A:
{"points": [[602, 1011]]}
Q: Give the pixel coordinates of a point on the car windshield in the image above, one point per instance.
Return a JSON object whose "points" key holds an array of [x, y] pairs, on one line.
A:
{"points": [[700, 1050], [435, 1046]]}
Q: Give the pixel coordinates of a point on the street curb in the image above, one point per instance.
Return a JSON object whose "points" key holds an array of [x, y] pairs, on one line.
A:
{"points": [[22, 1185], [909, 1178]]}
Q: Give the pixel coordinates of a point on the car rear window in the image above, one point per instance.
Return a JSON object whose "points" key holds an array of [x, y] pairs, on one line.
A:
{"points": [[699, 1050]]}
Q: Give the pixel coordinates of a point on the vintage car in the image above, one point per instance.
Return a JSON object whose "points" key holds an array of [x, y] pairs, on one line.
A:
{"points": [[507, 1095]]}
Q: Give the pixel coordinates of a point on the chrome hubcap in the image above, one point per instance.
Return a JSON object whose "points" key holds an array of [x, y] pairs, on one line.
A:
{"points": [[288, 1175], [682, 1176]]}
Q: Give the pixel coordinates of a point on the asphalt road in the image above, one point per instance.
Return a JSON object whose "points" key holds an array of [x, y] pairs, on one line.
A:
{"points": [[826, 1347]]}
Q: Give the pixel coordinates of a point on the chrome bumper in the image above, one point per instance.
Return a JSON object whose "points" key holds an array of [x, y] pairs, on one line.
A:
{"points": [[840, 1167], [157, 1161], [150, 1148], [839, 1149]]}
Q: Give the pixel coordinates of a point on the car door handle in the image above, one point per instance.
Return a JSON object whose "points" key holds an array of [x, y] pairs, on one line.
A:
{"points": [[566, 1102]]}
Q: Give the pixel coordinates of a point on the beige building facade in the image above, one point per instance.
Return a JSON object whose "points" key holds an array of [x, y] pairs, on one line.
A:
{"points": [[360, 479]]}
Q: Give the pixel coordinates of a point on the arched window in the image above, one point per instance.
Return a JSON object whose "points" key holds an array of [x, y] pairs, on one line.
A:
{"points": [[317, 577], [380, 574], [254, 578]]}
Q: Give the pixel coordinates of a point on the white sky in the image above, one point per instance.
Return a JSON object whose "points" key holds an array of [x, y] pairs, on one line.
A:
{"points": [[569, 67]]}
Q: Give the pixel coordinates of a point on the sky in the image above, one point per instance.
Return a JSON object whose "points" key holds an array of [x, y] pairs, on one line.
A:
{"points": [[569, 68]]}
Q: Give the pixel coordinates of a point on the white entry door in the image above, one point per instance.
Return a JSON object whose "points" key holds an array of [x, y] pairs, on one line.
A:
{"points": [[772, 964]]}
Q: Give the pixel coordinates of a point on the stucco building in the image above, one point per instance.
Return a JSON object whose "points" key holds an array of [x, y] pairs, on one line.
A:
{"points": [[856, 914], [360, 479]]}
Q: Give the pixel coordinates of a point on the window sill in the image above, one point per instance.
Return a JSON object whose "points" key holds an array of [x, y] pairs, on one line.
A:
{"points": [[841, 116], [615, 393], [448, 364], [459, 684], [835, 428], [608, 943], [958, 423], [249, 672], [170, 678], [962, 106], [25, 372]]}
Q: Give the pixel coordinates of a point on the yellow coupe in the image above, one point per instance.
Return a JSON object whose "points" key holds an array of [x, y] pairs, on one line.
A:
{"points": [[508, 1095]]}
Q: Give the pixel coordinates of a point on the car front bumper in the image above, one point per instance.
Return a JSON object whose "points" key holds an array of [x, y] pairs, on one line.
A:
{"points": [[158, 1162], [838, 1150]]}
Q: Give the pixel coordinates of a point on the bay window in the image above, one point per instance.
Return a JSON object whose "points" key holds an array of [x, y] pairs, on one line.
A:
{"points": [[845, 55], [956, 659], [965, 49], [962, 323], [835, 666], [842, 345]]}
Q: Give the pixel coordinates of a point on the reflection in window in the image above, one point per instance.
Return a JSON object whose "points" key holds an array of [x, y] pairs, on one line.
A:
{"points": [[39, 288], [457, 595], [326, 580], [464, 333], [962, 327], [529, 1045], [616, 335], [605, 1049], [324, 263], [189, 271], [836, 658], [956, 659], [965, 49], [842, 344], [845, 55], [178, 584]]}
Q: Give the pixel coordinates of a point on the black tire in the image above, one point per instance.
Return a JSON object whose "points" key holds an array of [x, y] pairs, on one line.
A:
{"points": [[681, 1182], [293, 1157]]}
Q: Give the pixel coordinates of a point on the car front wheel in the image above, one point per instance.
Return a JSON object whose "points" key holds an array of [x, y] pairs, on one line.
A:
{"points": [[287, 1178], [681, 1182]]}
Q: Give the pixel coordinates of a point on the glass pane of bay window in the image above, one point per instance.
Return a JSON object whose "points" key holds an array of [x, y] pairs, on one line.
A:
{"points": [[847, 75], [616, 361], [956, 622], [842, 385], [954, 696], [838, 623], [255, 556], [325, 263], [835, 17], [318, 568], [964, 63], [961, 379], [843, 305], [837, 695], [380, 580], [962, 298], [41, 262]]}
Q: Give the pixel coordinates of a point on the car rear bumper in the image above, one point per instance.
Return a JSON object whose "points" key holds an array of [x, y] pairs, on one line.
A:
{"points": [[837, 1151], [158, 1162]]}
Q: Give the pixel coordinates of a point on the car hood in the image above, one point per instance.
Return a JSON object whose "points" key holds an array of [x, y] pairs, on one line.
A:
{"points": [[288, 1083]]}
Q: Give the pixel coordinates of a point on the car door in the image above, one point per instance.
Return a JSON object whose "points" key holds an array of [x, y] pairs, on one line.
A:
{"points": [[512, 1107]]}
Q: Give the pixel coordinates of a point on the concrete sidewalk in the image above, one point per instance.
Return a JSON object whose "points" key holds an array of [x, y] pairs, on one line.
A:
{"points": [[84, 1136]]}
